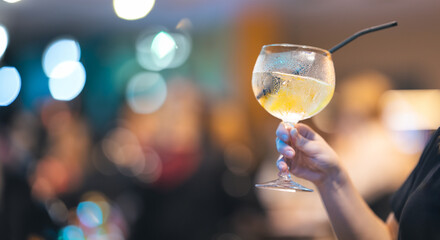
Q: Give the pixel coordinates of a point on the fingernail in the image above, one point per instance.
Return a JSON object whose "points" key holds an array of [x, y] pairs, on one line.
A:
{"points": [[285, 137], [289, 154], [282, 166], [293, 132]]}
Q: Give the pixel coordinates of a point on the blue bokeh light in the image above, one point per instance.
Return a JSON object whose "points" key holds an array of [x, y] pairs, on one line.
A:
{"points": [[60, 51], [90, 214], [71, 233], [10, 85], [68, 81]]}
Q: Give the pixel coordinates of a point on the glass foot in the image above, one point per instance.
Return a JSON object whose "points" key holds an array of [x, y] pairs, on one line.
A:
{"points": [[284, 183]]}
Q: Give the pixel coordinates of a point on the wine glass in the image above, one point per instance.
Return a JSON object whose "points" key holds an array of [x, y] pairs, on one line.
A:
{"points": [[292, 82]]}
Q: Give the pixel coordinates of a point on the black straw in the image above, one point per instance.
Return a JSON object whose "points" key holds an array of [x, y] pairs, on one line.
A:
{"points": [[362, 32]]}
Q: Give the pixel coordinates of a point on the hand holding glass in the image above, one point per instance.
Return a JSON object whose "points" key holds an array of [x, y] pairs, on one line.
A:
{"points": [[292, 82]]}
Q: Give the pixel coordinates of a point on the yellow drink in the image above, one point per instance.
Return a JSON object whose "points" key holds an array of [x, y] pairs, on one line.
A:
{"points": [[289, 97]]}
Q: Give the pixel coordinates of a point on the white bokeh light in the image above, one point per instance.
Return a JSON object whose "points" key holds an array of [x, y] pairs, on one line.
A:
{"points": [[163, 45], [69, 80], [132, 9], [4, 40], [10, 84], [146, 92], [156, 51], [12, 1], [59, 51]]}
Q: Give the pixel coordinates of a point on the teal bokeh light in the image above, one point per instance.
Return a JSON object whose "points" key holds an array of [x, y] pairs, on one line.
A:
{"points": [[146, 92], [155, 51], [71, 233], [90, 214]]}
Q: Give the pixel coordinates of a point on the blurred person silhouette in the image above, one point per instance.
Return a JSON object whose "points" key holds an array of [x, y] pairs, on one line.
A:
{"points": [[184, 183], [63, 163], [21, 216], [414, 206]]}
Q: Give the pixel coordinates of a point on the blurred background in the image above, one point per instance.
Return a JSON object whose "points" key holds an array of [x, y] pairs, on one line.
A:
{"points": [[135, 119]]}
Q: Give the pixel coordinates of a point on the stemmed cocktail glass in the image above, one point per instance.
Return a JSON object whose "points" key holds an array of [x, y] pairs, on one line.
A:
{"points": [[293, 83]]}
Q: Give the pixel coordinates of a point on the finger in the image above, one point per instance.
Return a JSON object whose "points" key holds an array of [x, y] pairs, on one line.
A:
{"points": [[284, 149], [282, 133], [297, 139], [282, 165], [305, 131]]}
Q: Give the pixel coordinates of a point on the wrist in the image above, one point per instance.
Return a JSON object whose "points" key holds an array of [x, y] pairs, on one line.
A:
{"points": [[336, 178]]}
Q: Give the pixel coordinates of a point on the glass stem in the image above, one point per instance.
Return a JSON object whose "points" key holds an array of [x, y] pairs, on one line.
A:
{"points": [[285, 175], [289, 125]]}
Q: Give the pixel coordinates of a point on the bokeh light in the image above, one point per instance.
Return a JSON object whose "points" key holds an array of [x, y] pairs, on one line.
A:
{"points": [[155, 50], [112, 232], [71, 233], [132, 9], [153, 166], [146, 92], [90, 214], [121, 147], [68, 81], [101, 200], [60, 51], [163, 45], [158, 50], [405, 110], [144, 55], [12, 1], [10, 84], [184, 25], [57, 210], [183, 49], [105, 236], [409, 142], [4, 40]]}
